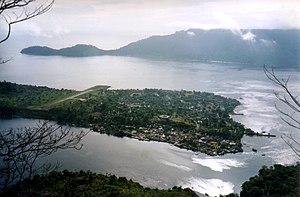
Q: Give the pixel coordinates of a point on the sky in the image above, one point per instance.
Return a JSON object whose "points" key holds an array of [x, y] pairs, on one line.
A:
{"points": [[111, 24]]}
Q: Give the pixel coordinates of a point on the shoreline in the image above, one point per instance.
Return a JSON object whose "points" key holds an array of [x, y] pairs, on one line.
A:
{"points": [[197, 121]]}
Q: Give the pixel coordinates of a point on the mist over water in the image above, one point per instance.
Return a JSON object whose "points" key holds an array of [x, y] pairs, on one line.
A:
{"points": [[156, 164]]}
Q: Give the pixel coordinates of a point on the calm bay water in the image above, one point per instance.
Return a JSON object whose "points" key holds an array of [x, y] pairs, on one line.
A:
{"points": [[157, 164]]}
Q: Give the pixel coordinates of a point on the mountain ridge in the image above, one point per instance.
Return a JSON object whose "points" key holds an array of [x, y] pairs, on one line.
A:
{"points": [[78, 50], [255, 46]]}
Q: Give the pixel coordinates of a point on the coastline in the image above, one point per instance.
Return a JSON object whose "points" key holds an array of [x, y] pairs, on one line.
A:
{"points": [[197, 121]]}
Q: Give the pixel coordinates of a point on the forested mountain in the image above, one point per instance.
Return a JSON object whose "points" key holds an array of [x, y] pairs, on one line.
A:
{"points": [[279, 47], [79, 50], [256, 47]]}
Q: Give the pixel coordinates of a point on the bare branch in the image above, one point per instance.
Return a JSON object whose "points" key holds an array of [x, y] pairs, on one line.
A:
{"points": [[289, 115], [286, 101], [3, 61], [18, 11], [291, 142], [20, 149], [289, 118], [282, 83]]}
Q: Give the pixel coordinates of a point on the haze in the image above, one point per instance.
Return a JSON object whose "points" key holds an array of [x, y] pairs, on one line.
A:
{"points": [[110, 24]]}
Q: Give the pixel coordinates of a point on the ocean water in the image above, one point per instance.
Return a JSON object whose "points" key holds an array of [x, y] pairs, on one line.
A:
{"points": [[157, 164]]}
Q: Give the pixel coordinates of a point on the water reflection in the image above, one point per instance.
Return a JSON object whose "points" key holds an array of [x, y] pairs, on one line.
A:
{"points": [[158, 164]]}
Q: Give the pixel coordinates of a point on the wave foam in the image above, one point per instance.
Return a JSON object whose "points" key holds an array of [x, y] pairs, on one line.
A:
{"points": [[212, 187], [218, 164], [181, 167]]}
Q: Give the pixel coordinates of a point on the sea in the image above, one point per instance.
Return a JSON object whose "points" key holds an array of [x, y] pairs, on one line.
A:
{"points": [[156, 164]]}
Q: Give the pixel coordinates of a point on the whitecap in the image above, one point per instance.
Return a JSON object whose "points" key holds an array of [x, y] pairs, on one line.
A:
{"points": [[212, 187], [181, 167], [218, 164], [265, 147]]}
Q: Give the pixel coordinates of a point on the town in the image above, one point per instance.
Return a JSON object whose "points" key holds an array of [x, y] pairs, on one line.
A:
{"points": [[187, 119], [196, 121]]}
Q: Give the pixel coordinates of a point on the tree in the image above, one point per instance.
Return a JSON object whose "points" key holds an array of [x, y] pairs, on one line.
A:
{"points": [[16, 11], [289, 111], [277, 180], [22, 149]]}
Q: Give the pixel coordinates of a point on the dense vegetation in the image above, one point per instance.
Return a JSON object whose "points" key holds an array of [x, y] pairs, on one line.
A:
{"points": [[274, 181], [87, 184], [193, 120], [25, 96], [256, 47], [79, 50], [277, 181]]}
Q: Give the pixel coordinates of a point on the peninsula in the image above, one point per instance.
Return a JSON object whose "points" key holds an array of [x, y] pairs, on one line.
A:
{"points": [[196, 121]]}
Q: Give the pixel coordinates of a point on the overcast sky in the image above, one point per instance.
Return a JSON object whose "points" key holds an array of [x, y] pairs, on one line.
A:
{"points": [[111, 24]]}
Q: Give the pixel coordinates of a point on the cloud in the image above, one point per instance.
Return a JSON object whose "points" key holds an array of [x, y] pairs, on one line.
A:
{"points": [[182, 25], [190, 33], [59, 30], [267, 42], [249, 36], [33, 29], [227, 21], [113, 23]]}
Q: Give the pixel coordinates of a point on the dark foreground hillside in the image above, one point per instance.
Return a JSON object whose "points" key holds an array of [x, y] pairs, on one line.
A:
{"points": [[277, 180], [274, 181], [88, 184]]}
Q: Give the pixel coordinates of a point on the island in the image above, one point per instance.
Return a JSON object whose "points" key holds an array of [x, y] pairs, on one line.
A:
{"points": [[197, 121], [248, 48]]}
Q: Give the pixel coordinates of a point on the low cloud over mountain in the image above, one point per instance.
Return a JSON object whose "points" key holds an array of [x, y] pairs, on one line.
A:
{"points": [[255, 47]]}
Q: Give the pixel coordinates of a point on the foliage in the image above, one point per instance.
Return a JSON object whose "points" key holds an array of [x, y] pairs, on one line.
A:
{"points": [[276, 47], [178, 117], [22, 149], [87, 184], [24, 96], [277, 180], [79, 50]]}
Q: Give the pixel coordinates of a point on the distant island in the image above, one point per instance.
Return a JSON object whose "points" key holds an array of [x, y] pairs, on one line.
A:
{"points": [[197, 121], [276, 47], [79, 50]]}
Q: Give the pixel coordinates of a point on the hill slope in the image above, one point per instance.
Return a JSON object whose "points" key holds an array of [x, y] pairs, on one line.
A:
{"points": [[79, 50], [87, 184], [272, 47], [278, 47]]}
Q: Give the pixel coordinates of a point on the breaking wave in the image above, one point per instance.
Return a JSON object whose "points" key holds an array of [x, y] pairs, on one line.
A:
{"points": [[218, 164], [181, 167], [212, 187]]}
